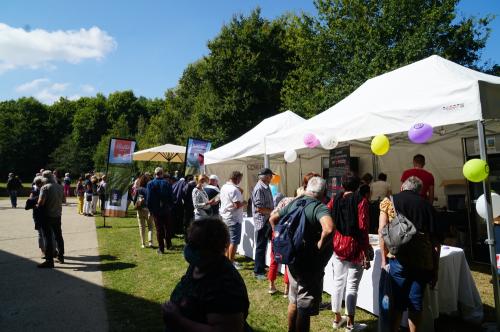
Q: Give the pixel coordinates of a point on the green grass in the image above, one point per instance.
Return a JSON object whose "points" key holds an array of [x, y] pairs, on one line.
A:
{"points": [[137, 281]]}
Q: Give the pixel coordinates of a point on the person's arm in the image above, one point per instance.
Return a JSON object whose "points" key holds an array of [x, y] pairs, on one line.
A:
{"points": [[215, 322], [431, 194], [274, 219], [259, 201], [327, 228], [199, 200], [41, 198], [382, 221], [364, 223]]}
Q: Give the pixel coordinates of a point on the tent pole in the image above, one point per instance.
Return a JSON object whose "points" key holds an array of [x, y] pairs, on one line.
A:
{"points": [[489, 222], [266, 156]]}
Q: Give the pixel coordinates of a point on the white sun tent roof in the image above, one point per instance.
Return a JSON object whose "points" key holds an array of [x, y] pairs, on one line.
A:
{"points": [[252, 142], [167, 153], [433, 91]]}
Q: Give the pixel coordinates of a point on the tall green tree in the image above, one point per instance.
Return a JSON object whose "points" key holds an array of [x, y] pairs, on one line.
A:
{"points": [[350, 41], [24, 137]]}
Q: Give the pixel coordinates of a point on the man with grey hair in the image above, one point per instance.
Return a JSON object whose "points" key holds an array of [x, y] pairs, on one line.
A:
{"points": [[51, 199], [307, 270], [160, 202], [262, 206], [416, 264]]}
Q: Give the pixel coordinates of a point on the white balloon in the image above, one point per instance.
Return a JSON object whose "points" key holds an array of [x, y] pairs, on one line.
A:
{"points": [[328, 142], [290, 156], [481, 205]]}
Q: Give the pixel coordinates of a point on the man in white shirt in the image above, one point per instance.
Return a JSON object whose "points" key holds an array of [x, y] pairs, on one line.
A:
{"points": [[231, 211], [380, 189]]}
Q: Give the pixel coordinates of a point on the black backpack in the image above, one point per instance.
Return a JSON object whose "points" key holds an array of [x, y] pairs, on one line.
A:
{"points": [[289, 233]]}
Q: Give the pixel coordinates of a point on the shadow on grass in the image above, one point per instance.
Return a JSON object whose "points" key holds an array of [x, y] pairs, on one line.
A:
{"points": [[48, 300], [97, 258]]}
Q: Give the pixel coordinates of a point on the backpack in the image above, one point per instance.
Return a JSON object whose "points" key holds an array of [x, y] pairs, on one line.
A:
{"points": [[289, 234], [398, 232]]}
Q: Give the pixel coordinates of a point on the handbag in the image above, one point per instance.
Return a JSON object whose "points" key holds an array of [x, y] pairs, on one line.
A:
{"points": [[398, 232]]}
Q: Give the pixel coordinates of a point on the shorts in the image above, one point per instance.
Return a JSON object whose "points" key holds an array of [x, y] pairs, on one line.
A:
{"points": [[234, 233], [408, 287], [306, 296]]}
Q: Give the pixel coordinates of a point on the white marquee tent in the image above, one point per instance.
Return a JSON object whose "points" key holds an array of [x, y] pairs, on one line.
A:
{"points": [[433, 91], [245, 154], [252, 143]]}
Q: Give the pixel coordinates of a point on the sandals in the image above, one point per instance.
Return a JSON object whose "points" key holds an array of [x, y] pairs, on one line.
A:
{"points": [[340, 323], [272, 291]]}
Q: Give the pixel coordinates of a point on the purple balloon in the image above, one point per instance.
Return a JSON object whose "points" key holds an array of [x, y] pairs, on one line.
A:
{"points": [[311, 141], [420, 133]]}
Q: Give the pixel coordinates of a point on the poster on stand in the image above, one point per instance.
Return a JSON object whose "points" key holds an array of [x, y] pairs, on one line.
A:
{"points": [[338, 167], [195, 156], [118, 176]]}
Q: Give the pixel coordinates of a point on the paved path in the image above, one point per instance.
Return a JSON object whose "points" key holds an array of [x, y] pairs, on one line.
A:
{"points": [[67, 298]]}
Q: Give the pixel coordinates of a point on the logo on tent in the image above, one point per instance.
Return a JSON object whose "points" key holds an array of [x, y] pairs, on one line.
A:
{"points": [[453, 107]]}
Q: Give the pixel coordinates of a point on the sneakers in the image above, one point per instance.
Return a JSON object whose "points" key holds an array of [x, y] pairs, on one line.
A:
{"points": [[143, 246], [150, 244], [46, 265], [160, 252], [356, 327], [260, 277], [340, 323], [272, 291], [237, 266]]}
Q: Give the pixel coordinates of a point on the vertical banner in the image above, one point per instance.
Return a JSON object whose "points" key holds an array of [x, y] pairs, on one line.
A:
{"points": [[118, 175], [195, 156], [339, 166]]}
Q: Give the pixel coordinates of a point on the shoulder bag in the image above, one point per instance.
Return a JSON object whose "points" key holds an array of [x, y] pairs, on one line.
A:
{"points": [[398, 232]]}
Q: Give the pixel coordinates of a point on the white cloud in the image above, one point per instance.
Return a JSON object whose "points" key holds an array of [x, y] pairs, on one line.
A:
{"points": [[40, 48], [47, 92], [87, 88], [33, 85]]}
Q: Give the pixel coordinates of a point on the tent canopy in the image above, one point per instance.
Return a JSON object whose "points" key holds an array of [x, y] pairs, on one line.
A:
{"points": [[252, 142], [433, 91], [167, 153]]}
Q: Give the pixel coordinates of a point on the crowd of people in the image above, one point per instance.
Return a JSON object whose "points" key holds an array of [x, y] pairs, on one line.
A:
{"points": [[210, 215]]}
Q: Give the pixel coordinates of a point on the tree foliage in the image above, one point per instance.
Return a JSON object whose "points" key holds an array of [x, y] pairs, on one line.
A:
{"points": [[350, 41]]}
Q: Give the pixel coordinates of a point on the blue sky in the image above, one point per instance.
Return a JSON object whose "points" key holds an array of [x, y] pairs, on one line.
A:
{"points": [[72, 49]]}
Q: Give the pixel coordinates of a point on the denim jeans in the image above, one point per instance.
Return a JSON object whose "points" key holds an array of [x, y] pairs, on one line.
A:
{"points": [[13, 198], [52, 227], [261, 239]]}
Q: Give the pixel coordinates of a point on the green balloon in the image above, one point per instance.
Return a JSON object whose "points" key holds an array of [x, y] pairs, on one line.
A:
{"points": [[476, 170]]}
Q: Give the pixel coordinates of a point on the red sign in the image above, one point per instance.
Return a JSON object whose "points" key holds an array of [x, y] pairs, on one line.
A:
{"points": [[122, 148]]}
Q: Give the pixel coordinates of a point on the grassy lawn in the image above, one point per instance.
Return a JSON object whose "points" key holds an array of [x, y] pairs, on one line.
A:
{"points": [[137, 281]]}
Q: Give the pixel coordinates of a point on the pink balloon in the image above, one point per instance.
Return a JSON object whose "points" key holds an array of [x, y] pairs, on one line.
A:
{"points": [[311, 141], [420, 133]]}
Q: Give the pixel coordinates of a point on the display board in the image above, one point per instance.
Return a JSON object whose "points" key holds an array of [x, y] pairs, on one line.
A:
{"points": [[118, 176], [195, 156], [338, 167]]}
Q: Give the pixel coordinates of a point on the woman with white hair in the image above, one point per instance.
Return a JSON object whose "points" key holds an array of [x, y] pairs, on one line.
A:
{"points": [[202, 204]]}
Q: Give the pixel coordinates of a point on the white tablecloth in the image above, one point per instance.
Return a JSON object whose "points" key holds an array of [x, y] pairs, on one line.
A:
{"points": [[455, 291]]}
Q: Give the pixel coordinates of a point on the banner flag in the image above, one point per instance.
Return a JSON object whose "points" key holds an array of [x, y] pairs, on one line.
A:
{"points": [[118, 176], [195, 156]]}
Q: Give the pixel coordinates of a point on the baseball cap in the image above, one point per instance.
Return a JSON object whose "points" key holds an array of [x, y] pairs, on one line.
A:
{"points": [[214, 177], [266, 171]]}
